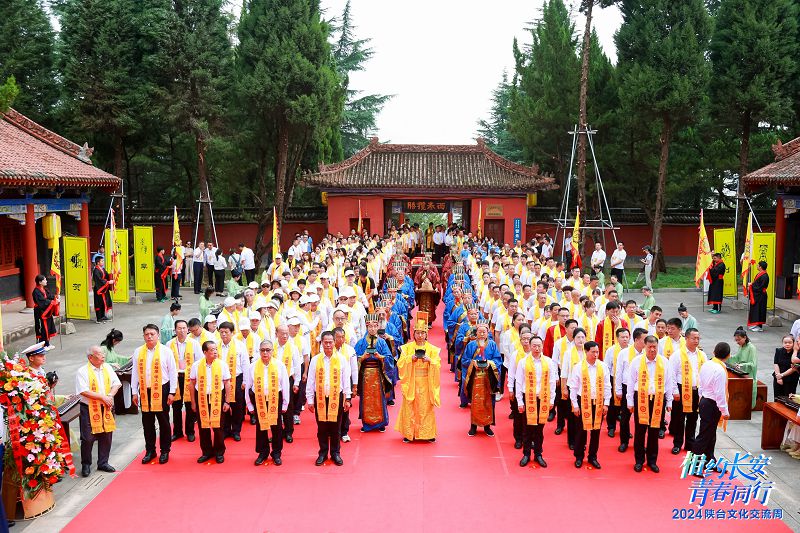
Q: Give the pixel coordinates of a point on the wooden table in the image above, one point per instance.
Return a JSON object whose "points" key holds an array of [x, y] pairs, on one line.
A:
{"points": [[774, 424], [426, 301], [740, 396], [761, 396]]}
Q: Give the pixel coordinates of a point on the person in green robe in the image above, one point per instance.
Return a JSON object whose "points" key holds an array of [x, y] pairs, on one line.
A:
{"points": [[114, 358], [746, 358], [206, 305]]}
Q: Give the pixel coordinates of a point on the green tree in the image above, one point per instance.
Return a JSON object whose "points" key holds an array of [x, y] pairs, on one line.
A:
{"points": [[663, 77], [8, 92], [200, 63], [494, 130], [360, 110], [754, 50], [27, 46], [544, 104], [288, 90]]}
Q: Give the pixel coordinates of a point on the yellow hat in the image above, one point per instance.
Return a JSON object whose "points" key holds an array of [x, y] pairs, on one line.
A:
{"points": [[421, 322]]}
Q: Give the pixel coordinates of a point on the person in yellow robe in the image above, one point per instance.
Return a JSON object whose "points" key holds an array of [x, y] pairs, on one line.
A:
{"points": [[418, 366]]}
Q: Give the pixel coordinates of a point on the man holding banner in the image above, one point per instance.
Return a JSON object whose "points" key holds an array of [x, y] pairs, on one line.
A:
{"points": [[102, 285], [716, 279], [757, 292]]}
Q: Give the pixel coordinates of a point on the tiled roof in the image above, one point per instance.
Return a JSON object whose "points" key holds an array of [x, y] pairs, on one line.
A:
{"points": [[451, 168], [33, 156], [784, 171]]}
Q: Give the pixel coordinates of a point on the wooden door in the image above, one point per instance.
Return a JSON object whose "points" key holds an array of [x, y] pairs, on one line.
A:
{"points": [[495, 229]]}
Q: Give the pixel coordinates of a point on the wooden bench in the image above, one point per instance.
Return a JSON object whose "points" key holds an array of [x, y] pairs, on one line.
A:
{"points": [[773, 426]]}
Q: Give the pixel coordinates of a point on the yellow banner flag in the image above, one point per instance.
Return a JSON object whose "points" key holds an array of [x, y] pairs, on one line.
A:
{"points": [[576, 241], [747, 255], [55, 264], [76, 277], [725, 245], [703, 254], [360, 227], [176, 240], [764, 250], [276, 245], [144, 280], [119, 255]]}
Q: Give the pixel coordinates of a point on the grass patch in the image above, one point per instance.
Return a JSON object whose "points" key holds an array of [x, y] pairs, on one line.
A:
{"points": [[676, 277]]}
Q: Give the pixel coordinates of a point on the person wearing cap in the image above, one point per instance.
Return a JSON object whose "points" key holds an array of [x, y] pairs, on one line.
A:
{"points": [[377, 375], [302, 344], [228, 313], [96, 383], [186, 351], [275, 270], [36, 358], [480, 378], [418, 366], [234, 353], [267, 400], [328, 397], [257, 324], [292, 359], [263, 293], [154, 380], [210, 380]]}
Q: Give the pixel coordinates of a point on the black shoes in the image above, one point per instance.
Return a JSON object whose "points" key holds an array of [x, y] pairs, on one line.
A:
{"points": [[261, 459], [594, 463], [220, 459], [611, 432], [337, 459], [540, 460], [149, 456], [237, 437], [176, 436], [637, 467], [654, 468], [623, 447], [252, 420], [660, 433], [86, 470], [106, 468], [578, 463], [203, 458], [163, 458], [676, 450], [289, 438], [518, 445], [551, 416], [559, 430], [488, 431], [511, 416], [524, 461], [320, 460], [277, 461], [190, 438], [472, 431]]}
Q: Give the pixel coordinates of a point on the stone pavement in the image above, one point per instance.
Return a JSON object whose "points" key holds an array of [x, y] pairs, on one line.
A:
{"points": [[73, 494]]}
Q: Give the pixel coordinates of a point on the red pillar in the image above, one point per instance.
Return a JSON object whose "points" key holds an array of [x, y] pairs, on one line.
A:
{"points": [[31, 261], [83, 223], [780, 237]]}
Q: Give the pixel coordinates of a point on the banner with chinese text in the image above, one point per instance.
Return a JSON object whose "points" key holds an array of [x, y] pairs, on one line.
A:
{"points": [[76, 277], [725, 245], [121, 292], [144, 275]]}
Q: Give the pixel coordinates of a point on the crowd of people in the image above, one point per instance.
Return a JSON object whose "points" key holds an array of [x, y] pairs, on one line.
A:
{"points": [[329, 331]]}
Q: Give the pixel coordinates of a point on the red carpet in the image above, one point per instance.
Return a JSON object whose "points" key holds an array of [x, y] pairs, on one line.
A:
{"points": [[457, 483]]}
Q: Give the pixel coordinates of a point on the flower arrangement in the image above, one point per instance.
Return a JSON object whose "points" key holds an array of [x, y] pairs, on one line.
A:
{"points": [[38, 442]]}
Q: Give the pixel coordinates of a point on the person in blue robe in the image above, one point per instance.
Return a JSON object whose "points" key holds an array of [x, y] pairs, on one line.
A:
{"points": [[480, 362], [377, 375]]}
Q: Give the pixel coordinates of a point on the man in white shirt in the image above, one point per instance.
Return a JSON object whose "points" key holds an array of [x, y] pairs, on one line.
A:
{"points": [[292, 358], [99, 398], [647, 421], [596, 404], [621, 367], [691, 358], [598, 257], [210, 254], [713, 389], [795, 331], [212, 425], [198, 262], [618, 261], [234, 353], [533, 434], [258, 401], [248, 259], [186, 351], [328, 404], [352, 357], [155, 399]]}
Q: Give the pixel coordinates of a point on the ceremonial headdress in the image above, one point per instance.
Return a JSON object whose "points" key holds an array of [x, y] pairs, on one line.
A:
{"points": [[373, 317], [36, 349], [421, 322]]}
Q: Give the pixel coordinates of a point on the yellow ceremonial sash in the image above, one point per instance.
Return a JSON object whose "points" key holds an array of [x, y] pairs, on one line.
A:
{"points": [[288, 361], [248, 343], [188, 358], [669, 346], [267, 410], [557, 332], [574, 358], [155, 379], [608, 336], [645, 417], [586, 397], [232, 360], [535, 416], [100, 416], [210, 417], [332, 412], [686, 376]]}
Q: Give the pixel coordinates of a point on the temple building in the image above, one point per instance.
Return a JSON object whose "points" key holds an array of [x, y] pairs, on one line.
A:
{"points": [[392, 184], [784, 176], [40, 173]]}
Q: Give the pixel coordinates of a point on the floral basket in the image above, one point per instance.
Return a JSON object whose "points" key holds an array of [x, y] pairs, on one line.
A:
{"points": [[39, 446]]}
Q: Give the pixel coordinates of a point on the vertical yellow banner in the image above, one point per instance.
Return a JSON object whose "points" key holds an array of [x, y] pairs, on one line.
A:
{"points": [[121, 292], [725, 245], [76, 277], [144, 275], [764, 250]]}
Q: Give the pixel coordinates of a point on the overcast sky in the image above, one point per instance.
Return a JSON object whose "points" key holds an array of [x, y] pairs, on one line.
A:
{"points": [[442, 58]]}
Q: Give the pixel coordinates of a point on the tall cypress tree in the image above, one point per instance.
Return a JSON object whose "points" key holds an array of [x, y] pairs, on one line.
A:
{"points": [[544, 105], [746, 91], [663, 76], [494, 130], [27, 45], [289, 90]]}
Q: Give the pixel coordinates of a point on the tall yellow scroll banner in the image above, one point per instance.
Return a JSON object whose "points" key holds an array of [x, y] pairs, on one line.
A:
{"points": [[764, 250], [143, 257], [76, 277], [725, 245], [121, 292]]}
